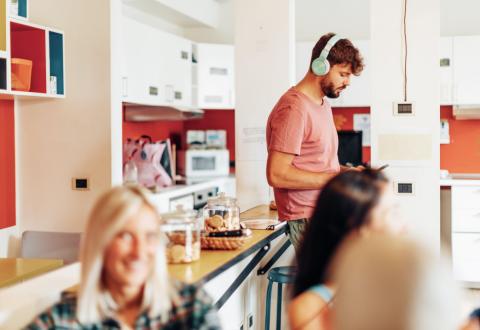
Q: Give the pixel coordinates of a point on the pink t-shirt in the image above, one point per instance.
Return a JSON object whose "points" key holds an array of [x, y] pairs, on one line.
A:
{"points": [[301, 127]]}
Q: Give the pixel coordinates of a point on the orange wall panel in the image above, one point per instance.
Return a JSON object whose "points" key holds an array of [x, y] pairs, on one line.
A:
{"points": [[7, 165], [462, 155]]}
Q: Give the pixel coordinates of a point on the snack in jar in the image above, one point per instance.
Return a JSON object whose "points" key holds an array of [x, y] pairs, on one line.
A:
{"points": [[221, 213], [182, 229]]}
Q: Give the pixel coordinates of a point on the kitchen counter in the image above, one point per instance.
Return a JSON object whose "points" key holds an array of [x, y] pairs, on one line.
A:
{"points": [[460, 179], [214, 262]]}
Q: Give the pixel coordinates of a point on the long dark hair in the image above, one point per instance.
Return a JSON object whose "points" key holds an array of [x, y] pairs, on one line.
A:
{"points": [[343, 206]]}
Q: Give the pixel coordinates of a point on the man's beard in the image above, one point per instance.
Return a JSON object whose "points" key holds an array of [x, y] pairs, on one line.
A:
{"points": [[329, 90]]}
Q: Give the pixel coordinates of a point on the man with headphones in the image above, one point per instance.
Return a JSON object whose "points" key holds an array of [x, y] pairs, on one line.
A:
{"points": [[302, 140]]}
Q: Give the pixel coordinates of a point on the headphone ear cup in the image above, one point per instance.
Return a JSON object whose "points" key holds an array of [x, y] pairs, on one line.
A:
{"points": [[320, 67]]}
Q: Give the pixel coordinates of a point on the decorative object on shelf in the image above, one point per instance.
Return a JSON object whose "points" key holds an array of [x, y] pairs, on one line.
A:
{"points": [[14, 7], [53, 85], [21, 74]]}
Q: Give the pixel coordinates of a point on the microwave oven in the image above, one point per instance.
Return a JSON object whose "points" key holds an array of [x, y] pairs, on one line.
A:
{"points": [[198, 163]]}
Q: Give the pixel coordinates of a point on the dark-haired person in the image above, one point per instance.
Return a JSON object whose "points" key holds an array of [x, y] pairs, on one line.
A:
{"points": [[353, 203], [302, 140]]}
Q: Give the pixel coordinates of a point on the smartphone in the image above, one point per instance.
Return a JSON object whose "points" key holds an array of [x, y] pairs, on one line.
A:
{"points": [[382, 167]]}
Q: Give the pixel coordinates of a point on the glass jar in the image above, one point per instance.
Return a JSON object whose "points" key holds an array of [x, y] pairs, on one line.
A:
{"points": [[182, 229], [221, 213]]}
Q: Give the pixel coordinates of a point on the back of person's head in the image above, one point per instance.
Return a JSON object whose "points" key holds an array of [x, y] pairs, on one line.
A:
{"points": [[343, 52], [346, 204], [109, 215], [390, 282]]}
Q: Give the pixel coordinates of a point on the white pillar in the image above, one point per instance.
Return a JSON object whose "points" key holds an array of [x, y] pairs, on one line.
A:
{"points": [[264, 68], [410, 144]]}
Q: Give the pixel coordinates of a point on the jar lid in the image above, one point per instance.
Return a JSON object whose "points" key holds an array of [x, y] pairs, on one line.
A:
{"points": [[222, 200], [179, 215]]}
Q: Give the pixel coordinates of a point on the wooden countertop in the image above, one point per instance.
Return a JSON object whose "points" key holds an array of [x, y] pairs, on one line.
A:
{"points": [[213, 262], [13, 270]]}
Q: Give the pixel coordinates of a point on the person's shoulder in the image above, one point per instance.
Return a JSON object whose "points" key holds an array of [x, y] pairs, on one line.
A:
{"points": [[61, 313], [307, 300], [291, 99]]}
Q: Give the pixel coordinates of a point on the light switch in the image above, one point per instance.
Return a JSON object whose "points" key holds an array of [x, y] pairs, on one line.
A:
{"points": [[80, 184]]}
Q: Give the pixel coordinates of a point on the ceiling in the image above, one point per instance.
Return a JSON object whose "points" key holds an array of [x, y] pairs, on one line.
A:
{"points": [[351, 18]]}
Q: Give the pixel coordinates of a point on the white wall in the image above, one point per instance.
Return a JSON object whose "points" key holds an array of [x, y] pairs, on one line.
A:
{"points": [[59, 139], [264, 58], [421, 211], [223, 34]]}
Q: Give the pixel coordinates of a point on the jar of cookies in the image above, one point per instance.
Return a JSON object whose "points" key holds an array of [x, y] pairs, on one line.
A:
{"points": [[182, 229], [221, 213]]}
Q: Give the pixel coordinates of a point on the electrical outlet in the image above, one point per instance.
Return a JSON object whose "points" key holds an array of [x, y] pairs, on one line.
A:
{"points": [[241, 327], [403, 109], [404, 188], [80, 184], [250, 321]]}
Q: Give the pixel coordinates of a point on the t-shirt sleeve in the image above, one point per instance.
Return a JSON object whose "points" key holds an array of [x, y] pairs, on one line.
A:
{"points": [[287, 127]]}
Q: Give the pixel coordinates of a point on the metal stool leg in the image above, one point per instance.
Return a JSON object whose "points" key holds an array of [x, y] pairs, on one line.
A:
{"points": [[279, 306], [267, 305]]}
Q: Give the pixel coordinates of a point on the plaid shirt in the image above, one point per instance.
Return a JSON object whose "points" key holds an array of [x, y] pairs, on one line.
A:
{"points": [[194, 312]]}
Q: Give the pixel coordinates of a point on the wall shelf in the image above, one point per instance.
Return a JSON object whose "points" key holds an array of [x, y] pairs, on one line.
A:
{"points": [[28, 42], [43, 46]]}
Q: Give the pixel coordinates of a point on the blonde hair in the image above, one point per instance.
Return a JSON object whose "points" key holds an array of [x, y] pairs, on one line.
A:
{"points": [[108, 216], [392, 283]]}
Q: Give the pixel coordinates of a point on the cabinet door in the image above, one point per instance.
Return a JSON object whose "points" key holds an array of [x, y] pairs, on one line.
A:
{"points": [[215, 76], [466, 74], [141, 84], [466, 256], [446, 70], [179, 69]]}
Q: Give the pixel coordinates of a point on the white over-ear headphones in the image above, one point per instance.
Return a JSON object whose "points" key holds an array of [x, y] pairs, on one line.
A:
{"points": [[321, 66]]}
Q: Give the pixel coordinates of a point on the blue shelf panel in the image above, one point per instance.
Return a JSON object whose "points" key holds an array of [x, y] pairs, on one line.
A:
{"points": [[22, 8], [56, 59]]}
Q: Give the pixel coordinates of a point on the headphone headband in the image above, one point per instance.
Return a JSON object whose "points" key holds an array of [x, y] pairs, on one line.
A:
{"points": [[330, 43], [320, 66]]}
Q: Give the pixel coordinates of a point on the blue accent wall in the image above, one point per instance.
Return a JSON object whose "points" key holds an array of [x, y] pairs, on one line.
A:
{"points": [[56, 59]]}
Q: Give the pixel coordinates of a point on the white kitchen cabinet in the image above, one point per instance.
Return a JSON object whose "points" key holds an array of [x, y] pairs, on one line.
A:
{"points": [[446, 70], [156, 66], [466, 74], [358, 93], [466, 256], [214, 74], [466, 233]]}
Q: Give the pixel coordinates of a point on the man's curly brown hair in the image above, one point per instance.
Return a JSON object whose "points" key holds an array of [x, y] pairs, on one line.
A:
{"points": [[343, 52]]}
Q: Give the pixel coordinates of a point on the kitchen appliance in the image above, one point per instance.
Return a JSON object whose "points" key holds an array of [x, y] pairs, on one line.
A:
{"points": [[201, 163]]}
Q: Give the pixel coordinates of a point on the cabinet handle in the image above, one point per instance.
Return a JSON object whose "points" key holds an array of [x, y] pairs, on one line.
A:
{"points": [[153, 90], [219, 71], [184, 55]]}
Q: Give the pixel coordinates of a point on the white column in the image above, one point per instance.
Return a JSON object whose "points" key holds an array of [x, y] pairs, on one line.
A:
{"points": [[409, 144], [264, 68]]}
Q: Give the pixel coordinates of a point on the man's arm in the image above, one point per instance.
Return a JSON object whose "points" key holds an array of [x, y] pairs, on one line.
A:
{"points": [[282, 174]]}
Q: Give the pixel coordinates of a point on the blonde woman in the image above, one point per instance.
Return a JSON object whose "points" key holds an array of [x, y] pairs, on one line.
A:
{"points": [[124, 281]]}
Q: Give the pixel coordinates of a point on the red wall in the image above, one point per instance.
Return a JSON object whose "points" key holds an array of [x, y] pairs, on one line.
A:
{"points": [[462, 155], [159, 130], [7, 164]]}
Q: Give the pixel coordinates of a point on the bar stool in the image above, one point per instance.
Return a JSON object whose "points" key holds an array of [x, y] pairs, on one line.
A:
{"points": [[281, 276]]}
